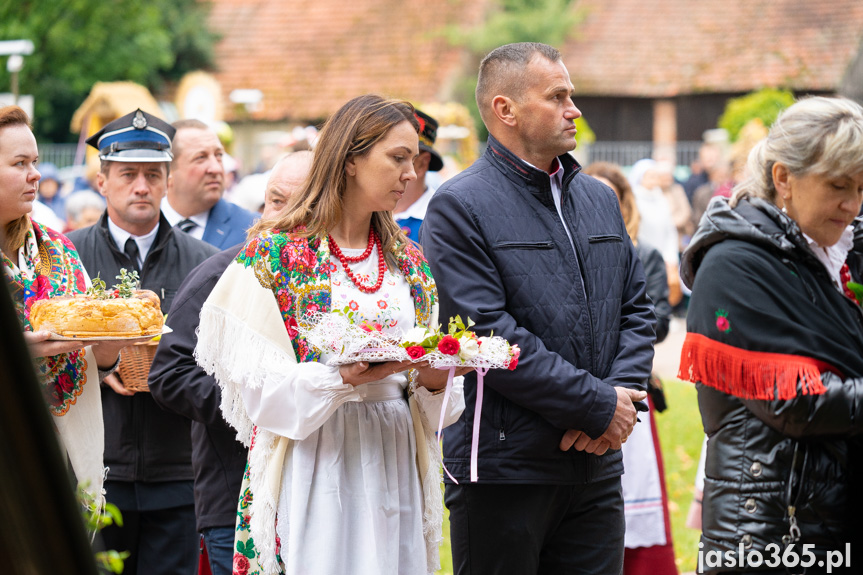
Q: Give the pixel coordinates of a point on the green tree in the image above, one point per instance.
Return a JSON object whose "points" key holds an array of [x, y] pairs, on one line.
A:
{"points": [[764, 104], [551, 22], [80, 42]]}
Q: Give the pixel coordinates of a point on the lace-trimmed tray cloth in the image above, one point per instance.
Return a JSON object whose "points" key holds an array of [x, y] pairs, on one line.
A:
{"points": [[335, 334]]}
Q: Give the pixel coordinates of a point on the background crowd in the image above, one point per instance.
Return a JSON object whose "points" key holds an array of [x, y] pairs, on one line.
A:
{"points": [[245, 444]]}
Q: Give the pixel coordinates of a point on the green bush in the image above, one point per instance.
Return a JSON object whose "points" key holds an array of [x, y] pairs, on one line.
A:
{"points": [[764, 104], [96, 519], [585, 134]]}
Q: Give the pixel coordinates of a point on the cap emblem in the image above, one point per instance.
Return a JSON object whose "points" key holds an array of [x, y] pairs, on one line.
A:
{"points": [[139, 122]]}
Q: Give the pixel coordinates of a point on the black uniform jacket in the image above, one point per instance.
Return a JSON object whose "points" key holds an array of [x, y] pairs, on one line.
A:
{"points": [[142, 441]]}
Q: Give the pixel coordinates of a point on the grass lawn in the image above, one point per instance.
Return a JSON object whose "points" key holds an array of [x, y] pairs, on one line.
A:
{"points": [[445, 555], [680, 435]]}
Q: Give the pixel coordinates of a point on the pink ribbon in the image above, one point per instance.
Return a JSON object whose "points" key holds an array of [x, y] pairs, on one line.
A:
{"points": [[446, 395], [477, 413]]}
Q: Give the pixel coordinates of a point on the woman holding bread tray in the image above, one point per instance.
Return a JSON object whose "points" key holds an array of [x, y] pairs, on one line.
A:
{"points": [[342, 475], [40, 263]]}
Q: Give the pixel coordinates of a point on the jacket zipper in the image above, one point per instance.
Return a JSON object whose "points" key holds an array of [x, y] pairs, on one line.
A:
{"points": [[501, 433], [584, 289], [137, 426]]}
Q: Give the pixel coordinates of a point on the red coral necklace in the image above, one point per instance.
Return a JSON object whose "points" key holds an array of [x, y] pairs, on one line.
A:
{"points": [[374, 239]]}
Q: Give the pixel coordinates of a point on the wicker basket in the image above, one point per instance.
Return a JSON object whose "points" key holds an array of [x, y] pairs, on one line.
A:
{"points": [[135, 362]]}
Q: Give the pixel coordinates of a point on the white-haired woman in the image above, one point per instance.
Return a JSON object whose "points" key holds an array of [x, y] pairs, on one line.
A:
{"points": [[775, 344]]}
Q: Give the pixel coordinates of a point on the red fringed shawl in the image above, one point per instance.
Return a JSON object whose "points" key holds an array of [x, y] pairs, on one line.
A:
{"points": [[747, 374]]}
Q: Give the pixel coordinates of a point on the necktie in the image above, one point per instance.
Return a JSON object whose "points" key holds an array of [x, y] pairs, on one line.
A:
{"points": [[186, 225], [131, 249]]}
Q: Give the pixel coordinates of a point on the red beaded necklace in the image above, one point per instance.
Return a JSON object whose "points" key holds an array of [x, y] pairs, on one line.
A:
{"points": [[355, 259], [374, 239]]}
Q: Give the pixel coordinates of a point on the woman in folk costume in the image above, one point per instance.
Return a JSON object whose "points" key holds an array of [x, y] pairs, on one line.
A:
{"points": [[41, 263], [649, 548], [775, 343], [343, 470]]}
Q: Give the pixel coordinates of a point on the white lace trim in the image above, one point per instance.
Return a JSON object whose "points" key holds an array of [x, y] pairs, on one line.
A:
{"points": [[262, 510], [335, 334], [232, 354], [430, 482], [833, 257]]}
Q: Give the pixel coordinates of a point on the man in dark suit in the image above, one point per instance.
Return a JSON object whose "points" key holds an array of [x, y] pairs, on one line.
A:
{"points": [[194, 202]]}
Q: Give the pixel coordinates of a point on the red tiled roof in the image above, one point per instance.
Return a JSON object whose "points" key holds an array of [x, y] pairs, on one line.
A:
{"points": [[663, 48], [309, 57]]}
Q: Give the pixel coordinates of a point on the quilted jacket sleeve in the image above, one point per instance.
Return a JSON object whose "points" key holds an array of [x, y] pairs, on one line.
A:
{"points": [[176, 381], [634, 357], [469, 284]]}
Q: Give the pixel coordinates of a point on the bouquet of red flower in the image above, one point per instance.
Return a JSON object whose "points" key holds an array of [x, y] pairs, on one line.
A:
{"points": [[459, 347]]}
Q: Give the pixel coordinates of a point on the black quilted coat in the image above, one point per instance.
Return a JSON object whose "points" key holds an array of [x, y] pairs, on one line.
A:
{"points": [[774, 464], [500, 254]]}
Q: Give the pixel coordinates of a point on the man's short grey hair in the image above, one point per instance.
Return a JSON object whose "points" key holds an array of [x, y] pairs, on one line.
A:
{"points": [[190, 123], [81, 200], [502, 72]]}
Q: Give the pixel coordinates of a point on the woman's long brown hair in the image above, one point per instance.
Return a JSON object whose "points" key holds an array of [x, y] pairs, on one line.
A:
{"points": [[628, 208], [15, 231], [352, 131]]}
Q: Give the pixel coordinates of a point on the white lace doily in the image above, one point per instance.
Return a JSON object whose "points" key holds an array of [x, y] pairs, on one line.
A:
{"points": [[334, 333]]}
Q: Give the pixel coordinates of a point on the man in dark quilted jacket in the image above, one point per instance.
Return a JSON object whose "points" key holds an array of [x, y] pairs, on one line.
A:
{"points": [[536, 252]]}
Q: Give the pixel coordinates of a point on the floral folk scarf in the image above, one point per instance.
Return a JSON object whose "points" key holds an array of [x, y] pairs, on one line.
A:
{"points": [[298, 269], [48, 266]]}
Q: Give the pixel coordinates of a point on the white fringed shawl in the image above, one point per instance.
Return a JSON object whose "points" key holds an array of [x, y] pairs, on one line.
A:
{"points": [[242, 341]]}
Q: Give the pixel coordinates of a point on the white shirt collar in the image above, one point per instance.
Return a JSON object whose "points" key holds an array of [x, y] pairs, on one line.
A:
{"points": [[556, 182], [556, 176], [419, 208], [144, 242], [174, 218], [833, 257]]}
